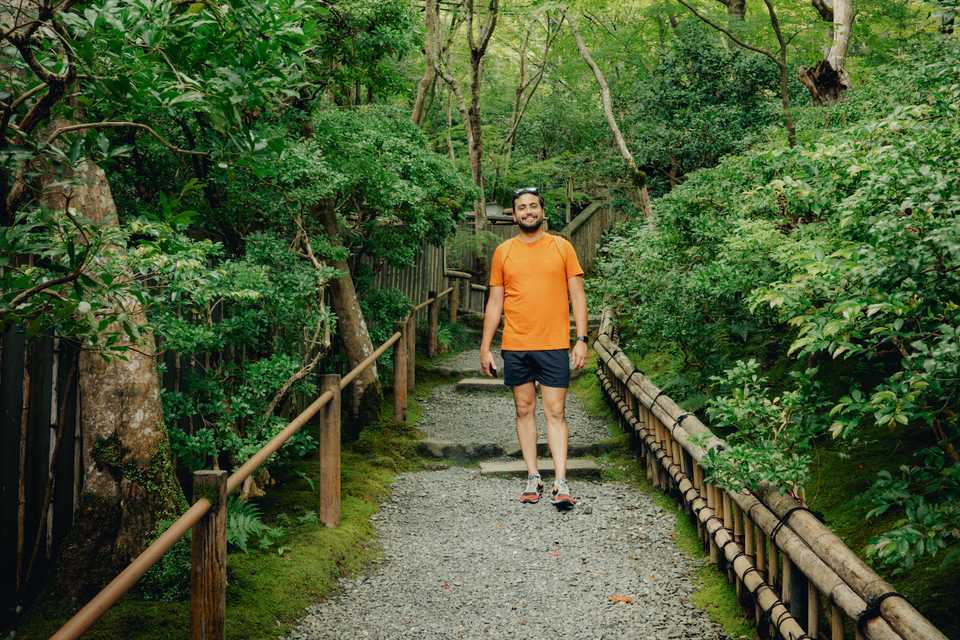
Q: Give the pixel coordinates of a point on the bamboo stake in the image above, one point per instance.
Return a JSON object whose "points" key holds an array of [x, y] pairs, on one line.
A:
{"points": [[813, 611], [330, 452]]}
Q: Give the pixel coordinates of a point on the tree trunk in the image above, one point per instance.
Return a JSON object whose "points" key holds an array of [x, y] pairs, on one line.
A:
{"points": [[431, 19], [828, 79], [129, 483], [365, 391], [637, 176], [736, 10]]}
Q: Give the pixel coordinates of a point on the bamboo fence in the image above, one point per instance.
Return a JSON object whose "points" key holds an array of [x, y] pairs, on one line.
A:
{"points": [[792, 572]]}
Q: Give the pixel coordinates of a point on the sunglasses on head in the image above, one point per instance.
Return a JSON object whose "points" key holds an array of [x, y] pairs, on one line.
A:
{"points": [[523, 190]]}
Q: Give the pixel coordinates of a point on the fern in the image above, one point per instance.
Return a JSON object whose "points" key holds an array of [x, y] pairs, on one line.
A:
{"points": [[244, 525]]}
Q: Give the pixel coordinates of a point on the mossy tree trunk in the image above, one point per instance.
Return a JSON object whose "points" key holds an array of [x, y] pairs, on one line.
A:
{"points": [[128, 478], [365, 392]]}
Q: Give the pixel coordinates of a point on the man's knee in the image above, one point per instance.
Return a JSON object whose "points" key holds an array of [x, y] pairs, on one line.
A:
{"points": [[554, 411], [525, 409]]}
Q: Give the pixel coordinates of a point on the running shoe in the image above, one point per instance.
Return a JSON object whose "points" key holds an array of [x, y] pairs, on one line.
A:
{"points": [[562, 499], [534, 489]]}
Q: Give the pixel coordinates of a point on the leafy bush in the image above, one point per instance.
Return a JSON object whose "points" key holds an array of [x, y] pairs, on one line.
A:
{"points": [[834, 265]]}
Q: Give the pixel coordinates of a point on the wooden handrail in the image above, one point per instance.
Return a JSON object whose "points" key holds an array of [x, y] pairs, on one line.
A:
{"points": [[581, 219], [126, 579]]}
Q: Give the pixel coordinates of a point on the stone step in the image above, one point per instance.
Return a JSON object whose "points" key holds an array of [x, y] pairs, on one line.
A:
{"points": [[482, 384], [472, 451], [459, 451], [496, 384], [573, 449], [580, 467]]}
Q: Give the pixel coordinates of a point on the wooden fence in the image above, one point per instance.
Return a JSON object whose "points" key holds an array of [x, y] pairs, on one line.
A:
{"points": [[207, 516], [584, 231], [39, 441], [796, 576]]}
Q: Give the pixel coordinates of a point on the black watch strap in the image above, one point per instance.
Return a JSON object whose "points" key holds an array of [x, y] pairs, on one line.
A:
{"points": [[583, 339]]}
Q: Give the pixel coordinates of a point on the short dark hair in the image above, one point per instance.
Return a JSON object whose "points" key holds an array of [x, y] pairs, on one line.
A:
{"points": [[525, 191]]}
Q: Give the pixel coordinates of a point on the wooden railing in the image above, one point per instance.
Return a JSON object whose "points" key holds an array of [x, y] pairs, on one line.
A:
{"points": [[207, 516], [787, 566], [585, 230]]}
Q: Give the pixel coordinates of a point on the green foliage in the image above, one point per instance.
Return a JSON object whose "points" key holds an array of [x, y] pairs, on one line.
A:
{"points": [[833, 265], [169, 579], [245, 525]]}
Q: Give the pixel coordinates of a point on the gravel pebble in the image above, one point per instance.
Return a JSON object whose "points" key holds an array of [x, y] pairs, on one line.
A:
{"points": [[463, 559]]}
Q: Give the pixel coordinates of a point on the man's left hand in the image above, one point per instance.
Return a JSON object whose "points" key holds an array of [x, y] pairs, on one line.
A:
{"points": [[579, 357]]}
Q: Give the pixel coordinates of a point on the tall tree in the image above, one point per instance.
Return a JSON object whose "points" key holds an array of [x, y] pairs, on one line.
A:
{"points": [[636, 174], [479, 33]]}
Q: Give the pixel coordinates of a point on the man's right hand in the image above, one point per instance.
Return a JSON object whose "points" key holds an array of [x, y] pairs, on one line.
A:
{"points": [[487, 363]]}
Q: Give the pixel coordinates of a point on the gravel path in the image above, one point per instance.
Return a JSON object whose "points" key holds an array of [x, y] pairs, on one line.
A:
{"points": [[463, 559], [489, 417]]}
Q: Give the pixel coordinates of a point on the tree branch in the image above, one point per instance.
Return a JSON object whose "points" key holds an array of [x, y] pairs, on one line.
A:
{"points": [[119, 125], [729, 34]]}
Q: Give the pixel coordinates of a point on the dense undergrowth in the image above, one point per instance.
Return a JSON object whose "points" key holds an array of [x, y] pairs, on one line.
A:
{"points": [[804, 301], [269, 589]]}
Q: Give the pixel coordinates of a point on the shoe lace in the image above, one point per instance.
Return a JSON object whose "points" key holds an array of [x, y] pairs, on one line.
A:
{"points": [[533, 484]]}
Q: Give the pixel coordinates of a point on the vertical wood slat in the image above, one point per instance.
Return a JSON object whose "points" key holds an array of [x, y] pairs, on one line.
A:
{"points": [[433, 320], [836, 622], [330, 452], [12, 370], [455, 299], [400, 376], [411, 351], [813, 611], [208, 566]]}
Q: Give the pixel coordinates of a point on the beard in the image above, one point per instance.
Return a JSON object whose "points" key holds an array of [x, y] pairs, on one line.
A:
{"points": [[530, 227]]}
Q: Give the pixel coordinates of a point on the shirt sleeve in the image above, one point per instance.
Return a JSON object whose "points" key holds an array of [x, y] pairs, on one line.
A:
{"points": [[496, 268], [570, 261]]}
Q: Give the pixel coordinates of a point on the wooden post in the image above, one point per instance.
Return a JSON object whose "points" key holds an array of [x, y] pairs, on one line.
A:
{"points": [[813, 611], [400, 376], [836, 622], [433, 323], [208, 565], [412, 351], [455, 300], [330, 452]]}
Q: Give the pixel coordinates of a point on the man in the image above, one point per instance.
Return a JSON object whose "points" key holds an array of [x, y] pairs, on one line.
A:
{"points": [[534, 278]]}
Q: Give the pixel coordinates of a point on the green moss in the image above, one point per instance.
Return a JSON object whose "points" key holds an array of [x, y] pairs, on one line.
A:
{"points": [[268, 592], [932, 585], [712, 592]]}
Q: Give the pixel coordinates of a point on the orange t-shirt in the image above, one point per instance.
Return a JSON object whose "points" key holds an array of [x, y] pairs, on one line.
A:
{"points": [[536, 305]]}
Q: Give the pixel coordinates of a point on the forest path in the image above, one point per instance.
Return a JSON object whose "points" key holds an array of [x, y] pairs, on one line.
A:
{"points": [[462, 558]]}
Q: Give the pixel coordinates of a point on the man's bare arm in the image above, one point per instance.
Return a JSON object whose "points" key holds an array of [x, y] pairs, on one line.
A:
{"points": [[578, 299], [491, 320]]}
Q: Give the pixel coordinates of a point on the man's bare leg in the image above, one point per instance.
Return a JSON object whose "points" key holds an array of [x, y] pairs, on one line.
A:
{"points": [[525, 400], [554, 407]]}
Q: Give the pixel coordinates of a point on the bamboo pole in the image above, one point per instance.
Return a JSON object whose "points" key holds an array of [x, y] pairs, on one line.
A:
{"points": [[899, 614], [411, 351], [813, 611], [827, 580]]}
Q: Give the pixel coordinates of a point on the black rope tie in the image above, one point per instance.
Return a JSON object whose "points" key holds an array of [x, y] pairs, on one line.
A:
{"points": [[872, 609], [723, 547], [785, 612], [747, 572], [783, 521], [686, 494], [676, 423]]}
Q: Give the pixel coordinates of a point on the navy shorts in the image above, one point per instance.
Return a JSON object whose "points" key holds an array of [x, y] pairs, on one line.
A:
{"points": [[550, 367]]}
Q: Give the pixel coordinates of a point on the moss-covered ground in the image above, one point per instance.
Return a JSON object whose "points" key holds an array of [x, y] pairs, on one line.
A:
{"points": [[713, 593], [268, 591]]}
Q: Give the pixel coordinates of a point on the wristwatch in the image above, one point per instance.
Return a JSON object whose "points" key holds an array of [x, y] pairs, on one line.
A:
{"points": [[583, 339]]}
